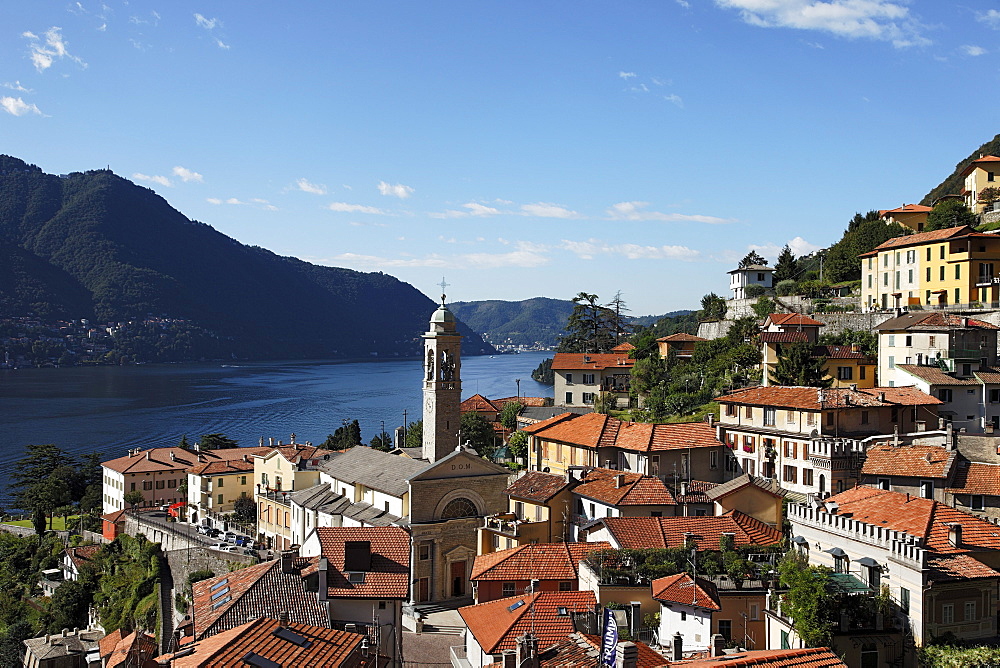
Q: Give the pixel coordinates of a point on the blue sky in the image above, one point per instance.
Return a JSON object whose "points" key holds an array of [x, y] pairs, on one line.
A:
{"points": [[519, 149]]}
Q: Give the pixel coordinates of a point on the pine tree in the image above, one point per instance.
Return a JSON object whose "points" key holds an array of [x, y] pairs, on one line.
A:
{"points": [[785, 268], [797, 366]]}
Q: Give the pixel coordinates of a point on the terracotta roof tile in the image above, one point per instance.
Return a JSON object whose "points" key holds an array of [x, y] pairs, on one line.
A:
{"points": [[497, 624], [697, 492], [579, 650], [925, 519], [537, 486], [681, 588], [976, 478], [623, 347], [591, 361], [159, 459], [740, 482], [643, 532], [136, 645], [988, 376], [249, 593], [783, 337], [680, 337], [907, 208], [924, 237], [635, 489], [815, 657], [543, 561], [918, 461], [222, 468], [958, 567], [82, 555], [840, 353], [478, 403], [931, 321], [107, 644], [807, 398], [389, 573], [793, 320], [595, 429], [325, 647], [933, 375]]}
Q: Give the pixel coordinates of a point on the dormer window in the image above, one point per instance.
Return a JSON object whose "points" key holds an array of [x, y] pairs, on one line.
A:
{"points": [[356, 577]]}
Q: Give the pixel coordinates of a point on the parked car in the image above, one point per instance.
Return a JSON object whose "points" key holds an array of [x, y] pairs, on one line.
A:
{"points": [[232, 548], [229, 537], [220, 546], [205, 529], [242, 541]]}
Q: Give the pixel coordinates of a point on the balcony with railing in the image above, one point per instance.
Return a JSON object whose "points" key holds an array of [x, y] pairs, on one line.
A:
{"points": [[458, 657], [511, 526]]}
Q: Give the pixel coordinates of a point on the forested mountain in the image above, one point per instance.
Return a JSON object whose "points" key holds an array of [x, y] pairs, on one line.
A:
{"points": [[541, 319], [96, 245], [953, 184]]}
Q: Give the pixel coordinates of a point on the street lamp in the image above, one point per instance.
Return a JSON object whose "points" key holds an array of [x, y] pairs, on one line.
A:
{"points": [[518, 381]]}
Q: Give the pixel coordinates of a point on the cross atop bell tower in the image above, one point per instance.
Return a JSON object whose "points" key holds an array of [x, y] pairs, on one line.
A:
{"points": [[442, 383]]}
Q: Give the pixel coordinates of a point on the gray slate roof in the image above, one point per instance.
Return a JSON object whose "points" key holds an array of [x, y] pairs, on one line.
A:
{"points": [[375, 469]]}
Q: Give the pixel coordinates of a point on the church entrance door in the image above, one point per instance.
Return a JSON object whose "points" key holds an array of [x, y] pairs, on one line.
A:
{"points": [[458, 578], [425, 590]]}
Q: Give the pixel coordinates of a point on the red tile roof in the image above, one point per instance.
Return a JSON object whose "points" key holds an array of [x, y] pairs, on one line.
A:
{"points": [[497, 624], [297, 452], [807, 398], [934, 320], [917, 461], [634, 489], [958, 567], [537, 486], [697, 492], [681, 588], [542, 561], [222, 468], [593, 429], [249, 593], [840, 353], [924, 237], [82, 555], [623, 347], [925, 519], [133, 649], [934, 375], [325, 646], [577, 650], [389, 574], [478, 403], [792, 320], [783, 337], [976, 478], [815, 657], [906, 208], [985, 160], [680, 337], [637, 533], [176, 459], [590, 361]]}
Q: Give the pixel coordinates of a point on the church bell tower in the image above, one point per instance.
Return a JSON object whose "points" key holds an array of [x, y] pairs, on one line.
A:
{"points": [[442, 384]]}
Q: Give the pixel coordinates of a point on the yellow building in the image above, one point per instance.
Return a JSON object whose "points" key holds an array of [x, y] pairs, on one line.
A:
{"points": [[276, 474], [214, 487], [979, 175], [539, 512], [910, 216], [954, 266]]}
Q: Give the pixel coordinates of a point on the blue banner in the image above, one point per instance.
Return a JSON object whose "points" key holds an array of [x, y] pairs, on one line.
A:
{"points": [[609, 645]]}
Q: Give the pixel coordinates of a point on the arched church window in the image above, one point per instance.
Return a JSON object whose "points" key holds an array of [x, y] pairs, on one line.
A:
{"points": [[460, 507]]}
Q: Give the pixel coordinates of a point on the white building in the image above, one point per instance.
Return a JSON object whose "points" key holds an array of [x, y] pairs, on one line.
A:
{"points": [[755, 274]]}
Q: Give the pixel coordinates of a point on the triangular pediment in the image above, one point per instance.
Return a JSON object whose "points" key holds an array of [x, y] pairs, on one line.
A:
{"points": [[460, 463]]}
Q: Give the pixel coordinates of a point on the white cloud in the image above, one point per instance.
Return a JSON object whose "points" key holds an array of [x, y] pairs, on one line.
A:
{"points": [[673, 98], [307, 187], [633, 211], [546, 210], [869, 19], [476, 209], [213, 200], [160, 180], [397, 190], [344, 207], [17, 107], [626, 75], [523, 259], [263, 203], [207, 24], [374, 261], [16, 86], [589, 249], [222, 45], [45, 52], [519, 258], [971, 50], [800, 246], [233, 200], [990, 17], [187, 176], [684, 3]]}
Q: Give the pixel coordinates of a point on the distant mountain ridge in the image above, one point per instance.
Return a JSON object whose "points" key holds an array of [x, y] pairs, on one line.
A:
{"points": [[539, 320], [96, 245]]}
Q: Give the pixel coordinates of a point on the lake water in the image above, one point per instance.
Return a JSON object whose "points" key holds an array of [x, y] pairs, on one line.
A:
{"points": [[111, 409]]}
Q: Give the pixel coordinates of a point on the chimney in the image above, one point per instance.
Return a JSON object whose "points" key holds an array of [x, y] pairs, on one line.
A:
{"points": [[65, 633], [509, 659], [854, 387], [619, 481], [292, 437], [148, 453], [527, 651], [928, 458], [283, 618], [677, 649], [684, 488], [955, 534], [626, 655], [288, 559], [262, 441], [173, 457], [324, 567], [881, 396], [718, 645], [245, 458], [711, 420], [270, 441], [855, 348], [48, 638]]}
